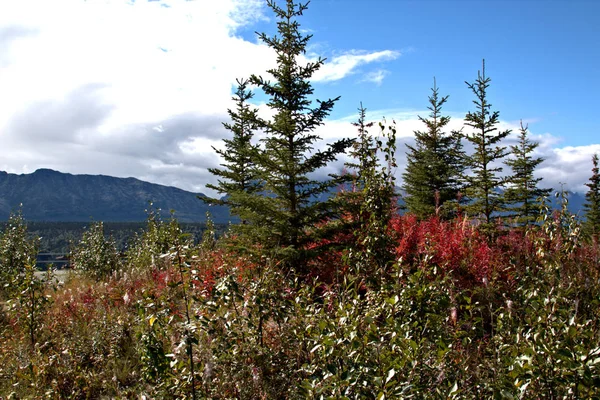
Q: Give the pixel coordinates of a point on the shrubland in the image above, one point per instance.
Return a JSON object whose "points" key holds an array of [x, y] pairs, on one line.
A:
{"points": [[337, 299], [451, 315]]}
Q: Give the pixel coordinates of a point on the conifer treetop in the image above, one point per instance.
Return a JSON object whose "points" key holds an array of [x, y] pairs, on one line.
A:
{"points": [[434, 163], [484, 180], [523, 191], [238, 173], [592, 205], [287, 209]]}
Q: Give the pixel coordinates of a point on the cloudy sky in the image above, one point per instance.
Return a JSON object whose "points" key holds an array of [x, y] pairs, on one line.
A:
{"points": [[140, 88]]}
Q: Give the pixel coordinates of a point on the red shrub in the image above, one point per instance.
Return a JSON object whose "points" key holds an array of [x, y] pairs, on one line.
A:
{"points": [[455, 247]]}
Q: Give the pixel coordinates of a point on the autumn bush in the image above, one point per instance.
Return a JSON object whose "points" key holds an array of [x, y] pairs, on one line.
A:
{"points": [[456, 315]]}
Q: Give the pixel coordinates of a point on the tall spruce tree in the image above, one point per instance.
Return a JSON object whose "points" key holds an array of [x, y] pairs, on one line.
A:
{"points": [[434, 167], [483, 183], [592, 204], [282, 215], [238, 176], [523, 192]]}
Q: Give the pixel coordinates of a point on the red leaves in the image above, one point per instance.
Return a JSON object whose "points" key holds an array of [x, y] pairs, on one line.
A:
{"points": [[454, 247]]}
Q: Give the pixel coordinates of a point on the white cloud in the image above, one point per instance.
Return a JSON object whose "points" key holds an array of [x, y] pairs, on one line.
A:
{"points": [[112, 87], [376, 76], [129, 88], [140, 89], [569, 167], [339, 67]]}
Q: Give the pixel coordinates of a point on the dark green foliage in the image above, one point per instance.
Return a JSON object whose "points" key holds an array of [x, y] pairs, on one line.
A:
{"points": [[592, 205], [434, 164], [483, 182], [524, 192], [239, 175], [281, 214], [364, 151]]}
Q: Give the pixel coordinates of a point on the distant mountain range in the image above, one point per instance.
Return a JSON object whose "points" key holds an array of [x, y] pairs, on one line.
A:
{"points": [[575, 202], [53, 196], [49, 195]]}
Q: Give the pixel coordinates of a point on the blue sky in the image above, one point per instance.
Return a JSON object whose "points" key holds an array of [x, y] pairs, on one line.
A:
{"points": [[543, 56], [140, 88]]}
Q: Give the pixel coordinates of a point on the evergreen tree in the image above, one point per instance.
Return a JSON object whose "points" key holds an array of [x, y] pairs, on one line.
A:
{"points": [[282, 215], [483, 182], [434, 163], [524, 192], [592, 205], [239, 175]]}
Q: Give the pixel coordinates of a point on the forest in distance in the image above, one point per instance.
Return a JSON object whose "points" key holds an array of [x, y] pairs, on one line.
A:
{"points": [[479, 289], [62, 237]]}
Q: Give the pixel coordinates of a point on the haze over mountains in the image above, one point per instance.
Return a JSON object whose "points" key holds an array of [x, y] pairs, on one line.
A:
{"points": [[49, 195]]}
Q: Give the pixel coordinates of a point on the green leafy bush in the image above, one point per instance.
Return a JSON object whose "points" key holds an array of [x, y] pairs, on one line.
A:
{"points": [[17, 251], [96, 255]]}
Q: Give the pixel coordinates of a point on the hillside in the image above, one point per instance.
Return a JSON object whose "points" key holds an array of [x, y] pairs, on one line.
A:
{"points": [[49, 195]]}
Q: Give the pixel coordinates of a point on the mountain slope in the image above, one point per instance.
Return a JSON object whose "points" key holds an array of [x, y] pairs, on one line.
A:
{"points": [[49, 195]]}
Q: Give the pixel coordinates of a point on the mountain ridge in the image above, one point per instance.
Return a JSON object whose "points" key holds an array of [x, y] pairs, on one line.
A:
{"points": [[49, 195]]}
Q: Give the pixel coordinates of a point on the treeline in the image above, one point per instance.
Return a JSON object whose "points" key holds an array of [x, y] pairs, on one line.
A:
{"points": [[62, 237]]}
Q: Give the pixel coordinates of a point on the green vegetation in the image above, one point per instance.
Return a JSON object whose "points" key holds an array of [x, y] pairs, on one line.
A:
{"points": [[592, 205], [483, 179], [280, 215], [17, 254], [454, 316], [434, 164], [337, 299], [239, 175], [95, 254], [370, 207], [524, 192]]}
